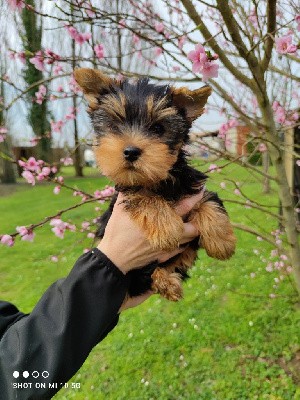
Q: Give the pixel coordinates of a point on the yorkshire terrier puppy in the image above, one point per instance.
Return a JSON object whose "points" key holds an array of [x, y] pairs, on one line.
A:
{"points": [[140, 133]]}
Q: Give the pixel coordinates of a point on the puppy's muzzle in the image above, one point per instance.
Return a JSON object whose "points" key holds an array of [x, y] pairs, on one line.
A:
{"points": [[132, 153]]}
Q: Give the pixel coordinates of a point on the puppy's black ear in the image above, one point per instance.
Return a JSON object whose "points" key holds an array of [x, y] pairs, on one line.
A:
{"points": [[192, 101], [92, 82]]}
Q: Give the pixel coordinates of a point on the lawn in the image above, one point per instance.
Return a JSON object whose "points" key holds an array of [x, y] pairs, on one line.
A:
{"points": [[227, 339]]}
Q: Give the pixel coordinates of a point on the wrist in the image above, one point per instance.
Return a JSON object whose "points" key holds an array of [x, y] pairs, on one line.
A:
{"points": [[112, 255]]}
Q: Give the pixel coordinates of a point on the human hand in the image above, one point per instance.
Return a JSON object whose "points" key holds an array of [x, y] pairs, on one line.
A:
{"points": [[126, 245]]}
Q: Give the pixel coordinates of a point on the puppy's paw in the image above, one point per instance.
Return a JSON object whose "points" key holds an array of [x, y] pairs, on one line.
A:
{"points": [[216, 232], [168, 285]]}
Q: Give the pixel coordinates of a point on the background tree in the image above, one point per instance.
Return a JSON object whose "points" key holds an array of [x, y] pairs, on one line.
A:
{"points": [[38, 113]]}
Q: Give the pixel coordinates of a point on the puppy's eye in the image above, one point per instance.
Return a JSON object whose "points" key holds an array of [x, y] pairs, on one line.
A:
{"points": [[158, 129]]}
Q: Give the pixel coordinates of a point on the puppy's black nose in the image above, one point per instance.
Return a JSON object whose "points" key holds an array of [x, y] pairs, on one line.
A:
{"points": [[132, 153]]}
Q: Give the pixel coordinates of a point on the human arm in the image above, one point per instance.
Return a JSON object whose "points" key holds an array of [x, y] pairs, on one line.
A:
{"points": [[72, 316]]}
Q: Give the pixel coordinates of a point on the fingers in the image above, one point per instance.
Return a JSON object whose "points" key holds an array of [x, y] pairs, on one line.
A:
{"points": [[190, 232], [186, 205], [166, 256]]}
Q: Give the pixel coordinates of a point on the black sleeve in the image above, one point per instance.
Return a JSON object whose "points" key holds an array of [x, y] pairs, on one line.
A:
{"points": [[72, 316]]}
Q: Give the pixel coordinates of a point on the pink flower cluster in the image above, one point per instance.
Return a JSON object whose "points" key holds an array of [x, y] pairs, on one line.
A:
{"points": [[56, 126], [44, 57], [224, 128], [102, 194], [66, 161], [59, 227], [159, 27], [77, 36], [203, 62], [27, 235], [7, 240], [40, 95], [282, 116], [99, 51], [18, 56], [35, 169], [3, 132], [16, 4], [284, 45]]}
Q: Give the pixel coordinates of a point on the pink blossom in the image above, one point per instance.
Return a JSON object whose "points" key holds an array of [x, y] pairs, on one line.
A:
{"points": [[57, 69], [223, 185], [7, 240], [97, 193], [46, 171], [212, 167], [16, 4], [197, 56], [284, 45], [298, 163], [22, 57], [54, 258], [70, 116], [56, 190], [38, 61], [74, 86], [262, 148], [29, 177], [136, 39], [237, 192], [50, 56], [202, 63], [91, 235], [158, 51], [297, 19], [159, 27], [2, 137], [99, 51], [67, 161], [32, 164], [209, 70], [85, 225], [54, 169], [224, 128], [27, 235], [122, 23], [40, 94], [3, 129], [77, 36], [83, 37], [56, 126], [59, 227], [176, 68], [181, 42]]}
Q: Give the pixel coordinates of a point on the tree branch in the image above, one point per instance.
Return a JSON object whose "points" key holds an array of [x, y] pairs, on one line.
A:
{"points": [[271, 27], [196, 18]]}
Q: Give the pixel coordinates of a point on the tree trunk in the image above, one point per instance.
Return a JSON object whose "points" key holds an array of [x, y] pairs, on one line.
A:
{"points": [[38, 114], [77, 155], [9, 171], [285, 196], [266, 164]]}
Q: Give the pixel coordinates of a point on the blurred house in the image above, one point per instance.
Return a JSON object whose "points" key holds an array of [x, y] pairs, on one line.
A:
{"points": [[208, 145]]}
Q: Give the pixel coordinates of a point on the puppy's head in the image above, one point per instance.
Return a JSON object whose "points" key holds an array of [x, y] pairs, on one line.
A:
{"points": [[139, 127]]}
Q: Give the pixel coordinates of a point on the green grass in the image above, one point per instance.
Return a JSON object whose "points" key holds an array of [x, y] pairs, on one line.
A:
{"points": [[226, 340]]}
